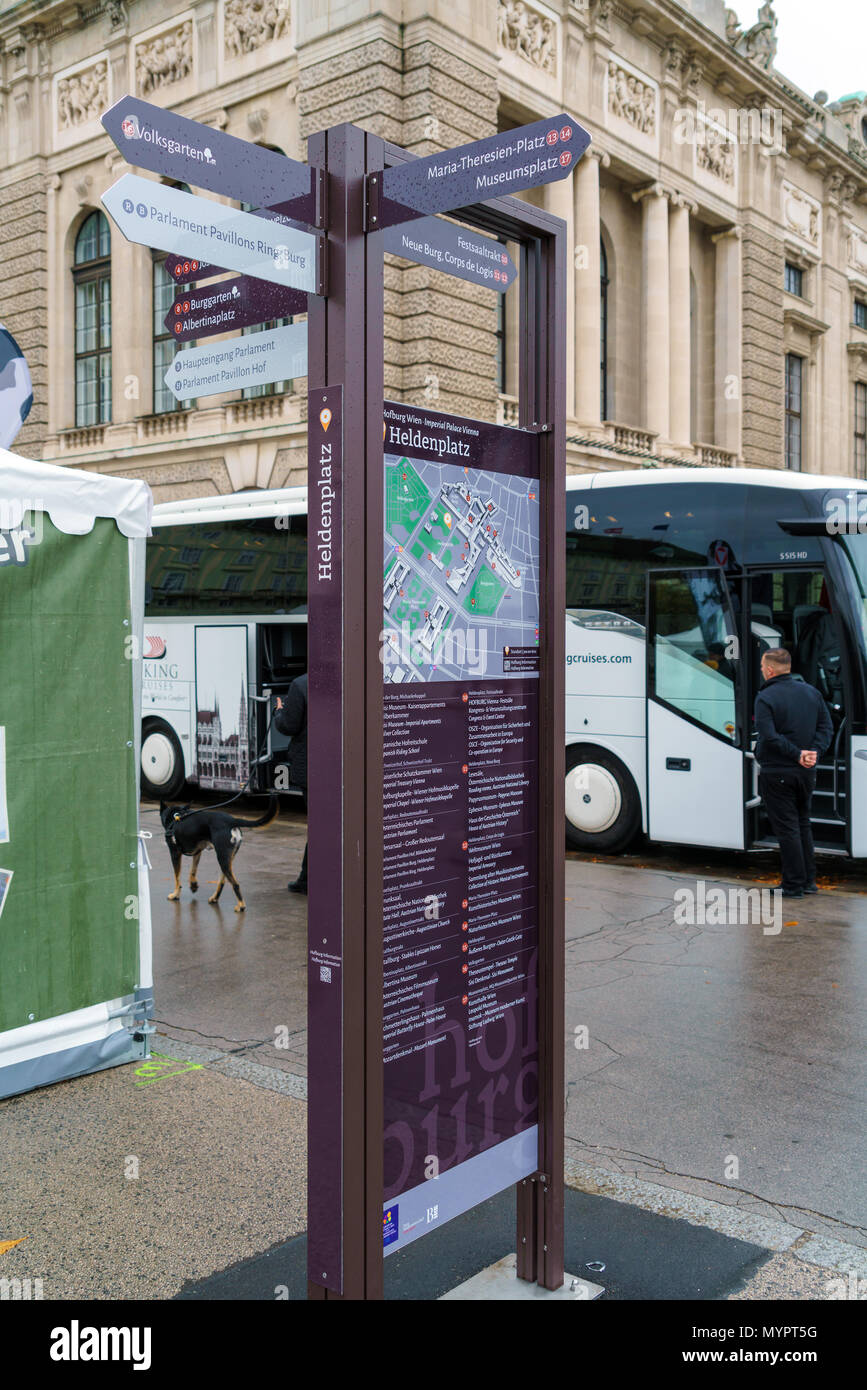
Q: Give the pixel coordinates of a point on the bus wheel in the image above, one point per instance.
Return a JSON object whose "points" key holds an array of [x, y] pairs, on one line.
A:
{"points": [[162, 760], [603, 811]]}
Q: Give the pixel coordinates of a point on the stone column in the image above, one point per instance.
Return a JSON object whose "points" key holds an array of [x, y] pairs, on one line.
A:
{"points": [[655, 310], [728, 387], [680, 364], [587, 302], [560, 202]]}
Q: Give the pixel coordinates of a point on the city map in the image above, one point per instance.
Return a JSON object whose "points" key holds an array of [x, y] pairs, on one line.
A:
{"points": [[461, 573]]}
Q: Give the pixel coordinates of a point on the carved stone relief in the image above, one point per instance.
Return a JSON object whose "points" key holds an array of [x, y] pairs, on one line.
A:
{"points": [[857, 250], [164, 60], [82, 97], [249, 24], [631, 100], [715, 153], [523, 30], [801, 214]]}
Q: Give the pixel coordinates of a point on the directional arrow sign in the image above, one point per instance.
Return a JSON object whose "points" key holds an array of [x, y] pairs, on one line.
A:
{"points": [[524, 158], [469, 255], [154, 215], [168, 144], [230, 304], [185, 270], [255, 360]]}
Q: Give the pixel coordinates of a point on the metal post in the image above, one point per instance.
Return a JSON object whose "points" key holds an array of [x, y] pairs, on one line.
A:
{"points": [[346, 349], [542, 381]]}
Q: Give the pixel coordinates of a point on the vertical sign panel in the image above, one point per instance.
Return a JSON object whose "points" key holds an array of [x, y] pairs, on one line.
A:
{"points": [[460, 653], [325, 888]]}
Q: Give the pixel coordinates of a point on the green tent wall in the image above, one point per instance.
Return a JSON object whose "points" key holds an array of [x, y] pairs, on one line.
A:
{"points": [[75, 982]]}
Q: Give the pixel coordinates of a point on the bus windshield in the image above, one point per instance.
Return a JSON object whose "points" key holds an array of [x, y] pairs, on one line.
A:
{"points": [[222, 568], [855, 547]]}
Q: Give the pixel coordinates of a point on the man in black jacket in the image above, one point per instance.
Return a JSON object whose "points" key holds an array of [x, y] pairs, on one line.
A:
{"points": [[291, 718], [794, 727]]}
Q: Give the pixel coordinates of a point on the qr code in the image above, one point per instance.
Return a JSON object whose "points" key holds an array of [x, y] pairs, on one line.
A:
{"points": [[325, 974]]}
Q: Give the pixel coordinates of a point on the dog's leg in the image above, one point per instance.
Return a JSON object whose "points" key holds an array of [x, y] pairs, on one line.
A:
{"points": [[194, 873], [177, 860], [223, 850], [240, 906]]}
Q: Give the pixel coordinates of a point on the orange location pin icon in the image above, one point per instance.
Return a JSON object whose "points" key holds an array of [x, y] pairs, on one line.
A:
{"points": [[325, 418]]}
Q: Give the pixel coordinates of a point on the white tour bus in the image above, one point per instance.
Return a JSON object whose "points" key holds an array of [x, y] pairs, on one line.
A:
{"points": [[677, 581], [225, 631]]}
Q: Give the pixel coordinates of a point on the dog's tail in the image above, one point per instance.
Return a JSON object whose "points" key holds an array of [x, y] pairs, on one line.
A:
{"points": [[271, 814]]}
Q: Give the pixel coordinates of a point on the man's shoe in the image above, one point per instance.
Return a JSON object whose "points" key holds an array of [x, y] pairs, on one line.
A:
{"points": [[811, 888], [299, 886], [792, 892]]}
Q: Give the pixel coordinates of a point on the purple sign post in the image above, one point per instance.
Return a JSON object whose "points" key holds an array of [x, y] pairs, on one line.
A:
{"points": [[437, 589]]}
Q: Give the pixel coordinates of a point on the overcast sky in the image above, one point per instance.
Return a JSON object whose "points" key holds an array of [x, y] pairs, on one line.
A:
{"points": [[822, 44]]}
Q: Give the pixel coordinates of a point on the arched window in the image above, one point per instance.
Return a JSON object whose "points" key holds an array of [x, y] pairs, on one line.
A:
{"points": [[603, 319], [92, 276]]}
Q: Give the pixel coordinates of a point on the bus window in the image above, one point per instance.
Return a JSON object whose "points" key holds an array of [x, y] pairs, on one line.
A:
{"points": [[225, 568], [792, 609], [693, 652]]}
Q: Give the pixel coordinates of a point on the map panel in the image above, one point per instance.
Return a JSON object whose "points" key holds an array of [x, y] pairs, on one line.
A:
{"points": [[460, 573]]}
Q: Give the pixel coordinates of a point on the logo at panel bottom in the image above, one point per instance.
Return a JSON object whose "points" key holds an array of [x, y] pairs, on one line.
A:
{"points": [[390, 1225]]}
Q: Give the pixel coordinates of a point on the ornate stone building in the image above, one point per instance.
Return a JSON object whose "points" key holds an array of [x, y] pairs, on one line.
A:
{"points": [[717, 295]]}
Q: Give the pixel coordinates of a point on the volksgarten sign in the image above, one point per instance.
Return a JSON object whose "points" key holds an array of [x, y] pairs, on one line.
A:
{"points": [[152, 138]]}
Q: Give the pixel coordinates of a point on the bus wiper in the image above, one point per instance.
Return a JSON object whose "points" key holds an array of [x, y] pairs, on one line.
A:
{"points": [[809, 526]]}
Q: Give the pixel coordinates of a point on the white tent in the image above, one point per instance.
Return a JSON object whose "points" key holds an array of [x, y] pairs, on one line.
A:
{"points": [[76, 981]]}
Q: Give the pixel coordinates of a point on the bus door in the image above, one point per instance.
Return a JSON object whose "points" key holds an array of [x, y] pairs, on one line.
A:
{"points": [[791, 607], [695, 753]]}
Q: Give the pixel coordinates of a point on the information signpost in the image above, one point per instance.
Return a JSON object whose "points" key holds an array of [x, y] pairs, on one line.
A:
{"points": [[436, 738], [436, 703]]}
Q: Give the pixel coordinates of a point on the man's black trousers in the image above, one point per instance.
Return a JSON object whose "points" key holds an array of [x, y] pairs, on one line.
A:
{"points": [[786, 793]]}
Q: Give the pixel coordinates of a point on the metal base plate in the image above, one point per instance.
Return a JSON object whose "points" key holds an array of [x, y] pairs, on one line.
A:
{"points": [[499, 1281]]}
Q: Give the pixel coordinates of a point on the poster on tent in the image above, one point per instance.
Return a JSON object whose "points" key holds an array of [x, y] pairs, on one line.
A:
{"points": [[6, 877], [4, 812], [5, 880], [222, 725]]}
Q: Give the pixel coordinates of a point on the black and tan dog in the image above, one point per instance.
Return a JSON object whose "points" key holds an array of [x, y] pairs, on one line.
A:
{"points": [[190, 832]]}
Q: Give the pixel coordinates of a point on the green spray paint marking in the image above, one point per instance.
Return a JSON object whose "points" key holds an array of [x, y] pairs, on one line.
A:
{"points": [[154, 1070]]}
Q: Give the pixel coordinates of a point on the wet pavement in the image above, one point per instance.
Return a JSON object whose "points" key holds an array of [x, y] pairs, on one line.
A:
{"points": [[716, 1113]]}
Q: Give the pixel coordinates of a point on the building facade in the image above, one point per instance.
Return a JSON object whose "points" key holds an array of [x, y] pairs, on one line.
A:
{"points": [[717, 284]]}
